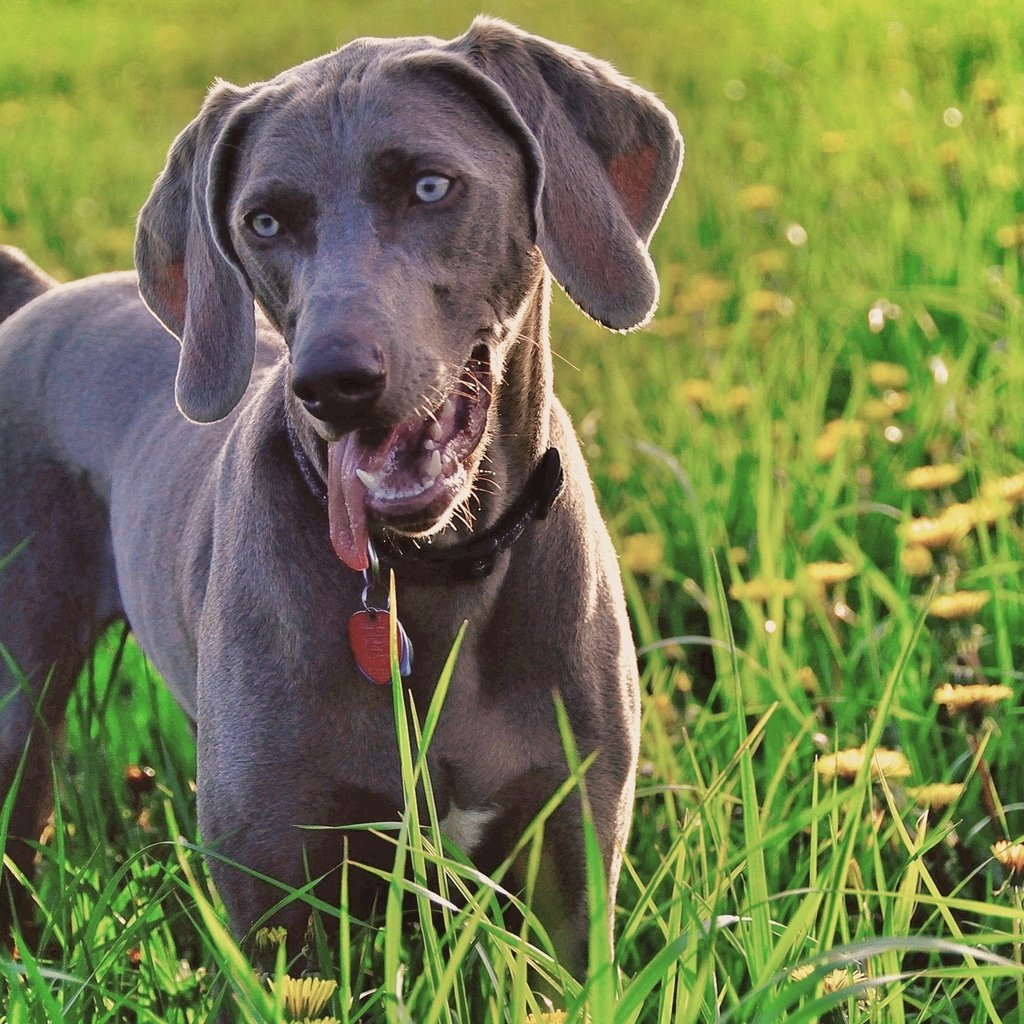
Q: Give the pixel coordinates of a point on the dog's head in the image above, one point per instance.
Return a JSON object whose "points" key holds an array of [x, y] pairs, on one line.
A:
{"points": [[388, 206]]}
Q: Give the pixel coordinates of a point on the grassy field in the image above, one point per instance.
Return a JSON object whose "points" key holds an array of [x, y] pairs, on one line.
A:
{"points": [[842, 304]]}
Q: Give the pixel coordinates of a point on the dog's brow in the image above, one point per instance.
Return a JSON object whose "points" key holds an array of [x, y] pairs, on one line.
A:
{"points": [[396, 160], [282, 196]]}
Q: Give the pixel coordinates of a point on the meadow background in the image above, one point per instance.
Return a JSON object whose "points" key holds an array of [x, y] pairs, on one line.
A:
{"points": [[842, 304]]}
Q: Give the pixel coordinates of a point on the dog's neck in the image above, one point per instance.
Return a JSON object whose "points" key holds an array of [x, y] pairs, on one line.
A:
{"points": [[521, 434], [524, 401]]}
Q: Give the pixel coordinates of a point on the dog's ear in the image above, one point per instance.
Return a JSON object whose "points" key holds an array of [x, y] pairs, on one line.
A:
{"points": [[611, 155], [188, 273]]}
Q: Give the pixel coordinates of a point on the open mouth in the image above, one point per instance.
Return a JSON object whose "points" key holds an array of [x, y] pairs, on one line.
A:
{"points": [[415, 474]]}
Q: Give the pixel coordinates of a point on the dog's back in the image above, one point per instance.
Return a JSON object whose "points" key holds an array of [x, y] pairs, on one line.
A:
{"points": [[20, 281]]}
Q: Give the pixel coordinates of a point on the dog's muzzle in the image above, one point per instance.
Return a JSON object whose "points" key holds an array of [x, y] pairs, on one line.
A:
{"points": [[411, 479]]}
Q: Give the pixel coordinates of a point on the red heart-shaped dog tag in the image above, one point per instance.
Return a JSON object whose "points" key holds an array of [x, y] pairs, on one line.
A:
{"points": [[368, 640]]}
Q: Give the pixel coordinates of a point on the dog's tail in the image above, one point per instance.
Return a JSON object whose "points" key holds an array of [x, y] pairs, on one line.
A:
{"points": [[20, 281]]}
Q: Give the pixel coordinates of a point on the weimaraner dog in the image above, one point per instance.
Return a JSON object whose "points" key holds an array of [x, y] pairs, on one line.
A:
{"points": [[354, 257]]}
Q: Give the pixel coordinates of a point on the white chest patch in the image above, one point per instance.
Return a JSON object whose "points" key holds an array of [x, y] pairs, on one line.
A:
{"points": [[465, 828]]}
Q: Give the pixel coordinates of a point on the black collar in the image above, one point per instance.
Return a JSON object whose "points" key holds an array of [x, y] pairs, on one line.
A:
{"points": [[473, 558]]}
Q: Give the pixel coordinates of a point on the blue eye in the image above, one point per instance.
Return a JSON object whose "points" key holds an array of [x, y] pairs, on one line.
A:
{"points": [[263, 224], [432, 188]]}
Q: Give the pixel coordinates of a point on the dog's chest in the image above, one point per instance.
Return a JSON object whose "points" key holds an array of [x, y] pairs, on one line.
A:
{"points": [[466, 827]]}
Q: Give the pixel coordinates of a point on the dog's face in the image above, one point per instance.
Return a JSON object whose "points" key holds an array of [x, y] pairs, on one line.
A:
{"points": [[386, 228], [391, 207]]}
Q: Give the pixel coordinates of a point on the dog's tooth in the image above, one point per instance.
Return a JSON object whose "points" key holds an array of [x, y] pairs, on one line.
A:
{"points": [[435, 431], [367, 479], [429, 446], [447, 411], [433, 465]]}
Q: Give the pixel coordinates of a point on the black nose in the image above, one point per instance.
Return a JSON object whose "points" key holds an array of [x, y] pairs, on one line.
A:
{"points": [[339, 379]]}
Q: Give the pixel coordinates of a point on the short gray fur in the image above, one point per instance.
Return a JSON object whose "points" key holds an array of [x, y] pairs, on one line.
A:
{"points": [[199, 529]]}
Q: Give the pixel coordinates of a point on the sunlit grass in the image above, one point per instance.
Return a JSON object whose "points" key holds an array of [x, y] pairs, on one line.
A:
{"points": [[812, 463]]}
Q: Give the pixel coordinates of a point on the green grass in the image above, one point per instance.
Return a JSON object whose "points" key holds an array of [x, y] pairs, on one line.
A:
{"points": [[888, 143]]}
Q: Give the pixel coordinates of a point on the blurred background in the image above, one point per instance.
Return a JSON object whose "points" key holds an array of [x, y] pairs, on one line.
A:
{"points": [[841, 308]]}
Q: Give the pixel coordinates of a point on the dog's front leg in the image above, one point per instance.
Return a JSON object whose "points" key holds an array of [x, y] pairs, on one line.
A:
{"points": [[276, 790], [261, 854], [562, 897], [247, 855]]}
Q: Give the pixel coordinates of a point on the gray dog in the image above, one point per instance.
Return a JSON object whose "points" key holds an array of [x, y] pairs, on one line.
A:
{"points": [[354, 257]]}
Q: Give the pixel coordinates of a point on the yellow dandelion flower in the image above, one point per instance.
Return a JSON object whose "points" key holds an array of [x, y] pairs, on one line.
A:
{"points": [[837, 980], [845, 764], [557, 1017], [1007, 488], [834, 433], [771, 261], [919, 189], [739, 555], [801, 972], [706, 292], [1010, 855], [936, 795], [643, 552], [318, 1020], [759, 197], [988, 510], [961, 605], [888, 375], [916, 560], [760, 590], [271, 938], [933, 533], [889, 764], [828, 574], [961, 516], [949, 153], [876, 410], [1004, 177], [303, 997], [832, 142], [968, 697], [763, 302], [12, 113], [738, 398], [1010, 235], [807, 680], [985, 91], [1008, 117], [933, 478], [700, 392], [826, 445], [897, 401], [665, 709]]}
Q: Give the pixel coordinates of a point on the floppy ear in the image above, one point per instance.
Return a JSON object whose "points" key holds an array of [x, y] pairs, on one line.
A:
{"points": [[188, 274], [611, 156]]}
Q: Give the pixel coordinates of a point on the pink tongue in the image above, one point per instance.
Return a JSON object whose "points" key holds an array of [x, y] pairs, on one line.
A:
{"points": [[346, 502]]}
